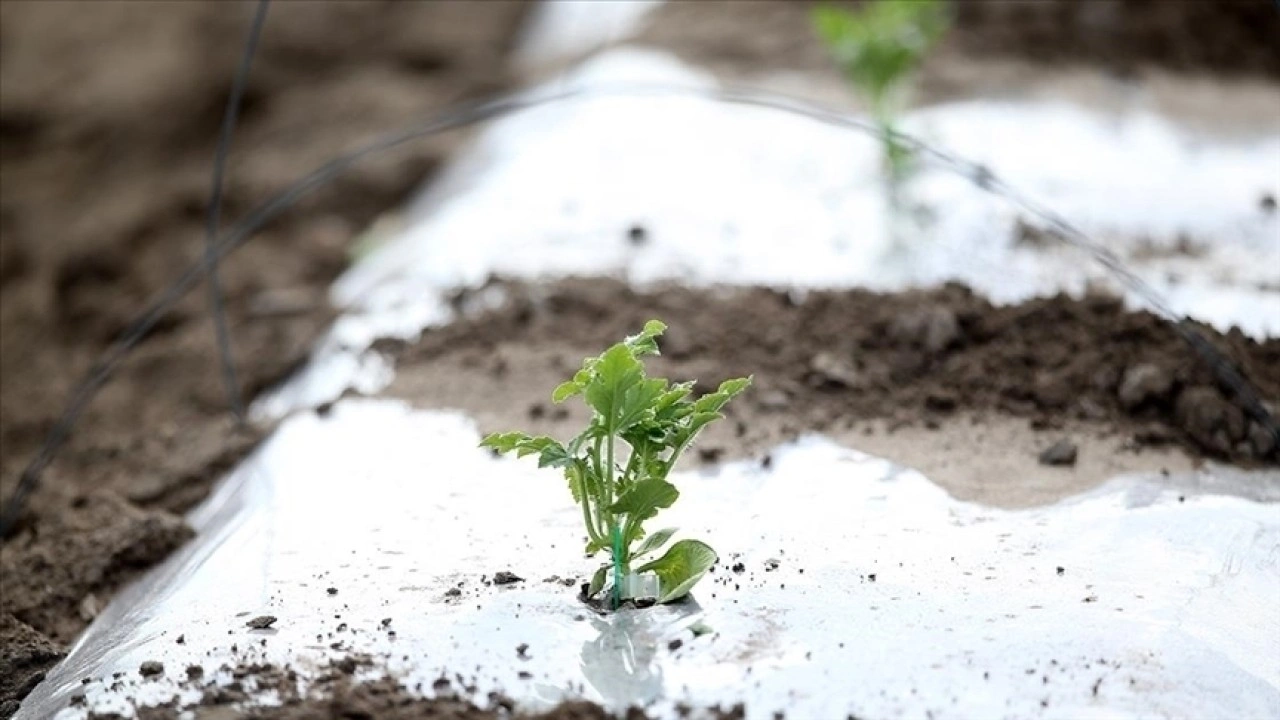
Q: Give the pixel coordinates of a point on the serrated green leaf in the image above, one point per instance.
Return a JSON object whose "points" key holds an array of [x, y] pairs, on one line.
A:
{"points": [[680, 568], [564, 391], [504, 442], [653, 542], [619, 392], [642, 500]]}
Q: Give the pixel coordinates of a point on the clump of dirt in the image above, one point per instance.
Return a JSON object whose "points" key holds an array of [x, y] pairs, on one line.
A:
{"points": [[108, 119], [830, 359], [24, 656], [59, 576]]}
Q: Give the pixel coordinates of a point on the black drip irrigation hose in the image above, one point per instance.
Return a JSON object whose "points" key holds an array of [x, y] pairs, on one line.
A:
{"points": [[475, 112], [216, 302]]}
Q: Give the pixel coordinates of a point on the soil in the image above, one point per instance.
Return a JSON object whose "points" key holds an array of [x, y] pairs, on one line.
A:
{"points": [[844, 360], [1233, 37], [108, 119], [352, 687]]}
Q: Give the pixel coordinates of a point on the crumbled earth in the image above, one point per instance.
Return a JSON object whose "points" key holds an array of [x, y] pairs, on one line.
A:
{"points": [[337, 693], [825, 360], [108, 118]]}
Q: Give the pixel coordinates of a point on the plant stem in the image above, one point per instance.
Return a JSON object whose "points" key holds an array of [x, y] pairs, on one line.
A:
{"points": [[614, 531]]}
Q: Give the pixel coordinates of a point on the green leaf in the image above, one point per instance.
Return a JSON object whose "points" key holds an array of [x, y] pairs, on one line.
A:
{"points": [[680, 568], [653, 542], [565, 390], [642, 500], [597, 580], [550, 453], [503, 442], [712, 402], [619, 392]]}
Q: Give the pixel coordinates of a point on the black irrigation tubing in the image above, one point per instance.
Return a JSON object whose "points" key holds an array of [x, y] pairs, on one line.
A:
{"points": [[216, 303], [475, 112]]}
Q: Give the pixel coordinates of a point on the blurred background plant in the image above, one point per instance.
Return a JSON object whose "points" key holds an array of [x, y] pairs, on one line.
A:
{"points": [[879, 47]]}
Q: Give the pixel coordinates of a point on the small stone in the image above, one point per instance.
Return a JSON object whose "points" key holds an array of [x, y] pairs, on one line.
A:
{"points": [[833, 371], [933, 328], [151, 668], [774, 400], [771, 564], [1143, 383], [453, 593], [1212, 421], [262, 622], [1061, 453], [504, 577], [1263, 442], [675, 644], [522, 651], [89, 607], [194, 672], [1267, 203], [332, 590]]}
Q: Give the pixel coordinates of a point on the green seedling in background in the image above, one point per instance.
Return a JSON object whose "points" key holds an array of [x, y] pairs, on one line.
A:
{"points": [[617, 467], [879, 47]]}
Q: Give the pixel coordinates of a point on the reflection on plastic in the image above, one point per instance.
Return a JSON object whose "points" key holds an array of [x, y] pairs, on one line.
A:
{"points": [[847, 585]]}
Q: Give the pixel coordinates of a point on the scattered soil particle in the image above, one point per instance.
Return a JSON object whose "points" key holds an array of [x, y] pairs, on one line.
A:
{"points": [[1267, 203], [675, 644], [504, 577], [637, 235], [331, 591], [1061, 453], [453, 593], [1061, 570], [522, 651], [151, 668], [262, 622]]}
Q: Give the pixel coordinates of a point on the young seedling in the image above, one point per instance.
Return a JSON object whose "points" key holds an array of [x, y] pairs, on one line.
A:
{"points": [[618, 466], [879, 47]]}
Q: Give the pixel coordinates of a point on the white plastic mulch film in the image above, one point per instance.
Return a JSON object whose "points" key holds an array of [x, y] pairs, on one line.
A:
{"points": [[864, 589]]}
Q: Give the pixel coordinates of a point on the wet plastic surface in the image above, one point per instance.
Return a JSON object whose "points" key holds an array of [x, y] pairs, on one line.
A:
{"points": [[863, 587]]}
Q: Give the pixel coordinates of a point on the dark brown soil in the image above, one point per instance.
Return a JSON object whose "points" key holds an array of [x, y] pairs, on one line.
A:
{"points": [[829, 359], [1227, 37], [108, 119]]}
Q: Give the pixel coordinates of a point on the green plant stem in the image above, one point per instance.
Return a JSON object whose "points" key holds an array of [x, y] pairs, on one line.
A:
{"points": [[614, 531], [592, 532]]}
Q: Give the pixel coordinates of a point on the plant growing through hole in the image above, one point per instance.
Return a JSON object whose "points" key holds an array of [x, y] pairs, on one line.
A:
{"points": [[617, 467], [879, 47]]}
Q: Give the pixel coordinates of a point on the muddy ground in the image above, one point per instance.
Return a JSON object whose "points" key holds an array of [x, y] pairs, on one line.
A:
{"points": [[108, 121], [108, 117]]}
